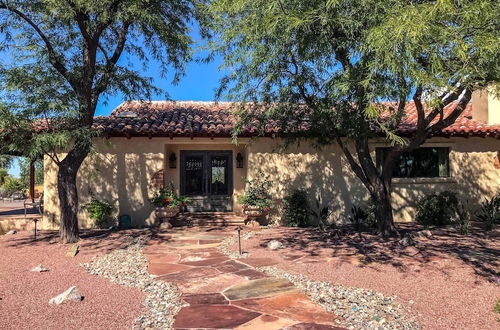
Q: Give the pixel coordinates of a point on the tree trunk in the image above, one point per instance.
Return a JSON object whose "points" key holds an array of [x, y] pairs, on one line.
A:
{"points": [[382, 200], [68, 192]]}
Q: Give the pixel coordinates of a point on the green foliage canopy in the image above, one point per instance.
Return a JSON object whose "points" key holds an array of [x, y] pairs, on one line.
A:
{"points": [[65, 54], [347, 54]]}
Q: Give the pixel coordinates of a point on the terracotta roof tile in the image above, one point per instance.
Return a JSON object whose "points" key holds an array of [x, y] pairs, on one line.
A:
{"points": [[190, 118]]}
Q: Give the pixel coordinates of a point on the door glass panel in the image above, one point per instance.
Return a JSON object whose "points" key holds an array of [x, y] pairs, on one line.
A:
{"points": [[194, 175], [218, 170]]}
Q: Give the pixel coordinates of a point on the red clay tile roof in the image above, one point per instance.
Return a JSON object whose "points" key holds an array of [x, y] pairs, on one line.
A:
{"points": [[190, 118]]}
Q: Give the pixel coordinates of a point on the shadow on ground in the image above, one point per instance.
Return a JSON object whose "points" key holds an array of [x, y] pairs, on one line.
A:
{"points": [[480, 249]]}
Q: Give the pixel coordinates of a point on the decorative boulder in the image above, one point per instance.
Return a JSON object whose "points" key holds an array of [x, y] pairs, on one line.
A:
{"points": [[39, 269], [72, 294], [274, 245]]}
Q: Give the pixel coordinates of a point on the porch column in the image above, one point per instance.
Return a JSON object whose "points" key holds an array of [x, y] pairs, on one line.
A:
{"points": [[32, 181]]}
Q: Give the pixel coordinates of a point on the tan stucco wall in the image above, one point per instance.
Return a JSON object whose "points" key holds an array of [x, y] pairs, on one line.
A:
{"points": [[474, 165], [121, 173], [486, 107]]}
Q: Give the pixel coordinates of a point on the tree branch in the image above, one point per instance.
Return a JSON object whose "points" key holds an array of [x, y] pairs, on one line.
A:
{"points": [[53, 56], [111, 61]]}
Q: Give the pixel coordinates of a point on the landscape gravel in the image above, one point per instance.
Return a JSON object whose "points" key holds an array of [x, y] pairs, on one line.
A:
{"points": [[358, 308], [128, 267], [25, 295], [226, 246]]}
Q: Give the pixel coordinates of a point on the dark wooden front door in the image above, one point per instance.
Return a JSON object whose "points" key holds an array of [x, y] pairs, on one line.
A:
{"points": [[207, 179]]}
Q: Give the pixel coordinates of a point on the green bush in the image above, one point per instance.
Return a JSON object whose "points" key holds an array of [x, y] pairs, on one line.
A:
{"points": [[101, 213], [321, 214], [257, 192], [437, 209], [489, 213], [462, 220], [363, 217], [296, 209], [13, 185]]}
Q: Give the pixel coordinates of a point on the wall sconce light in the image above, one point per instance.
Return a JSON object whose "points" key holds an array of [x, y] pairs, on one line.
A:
{"points": [[239, 160], [172, 160]]}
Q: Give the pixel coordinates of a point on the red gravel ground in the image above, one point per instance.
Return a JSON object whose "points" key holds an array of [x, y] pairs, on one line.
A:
{"points": [[447, 282], [25, 295]]}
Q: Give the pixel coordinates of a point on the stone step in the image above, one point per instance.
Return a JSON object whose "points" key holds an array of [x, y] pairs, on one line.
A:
{"points": [[209, 219]]}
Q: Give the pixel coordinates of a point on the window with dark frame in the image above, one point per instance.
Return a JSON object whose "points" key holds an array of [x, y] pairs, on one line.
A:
{"points": [[424, 162]]}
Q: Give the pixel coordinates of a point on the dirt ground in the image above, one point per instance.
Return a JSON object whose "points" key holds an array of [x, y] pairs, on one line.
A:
{"points": [[25, 295], [448, 281]]}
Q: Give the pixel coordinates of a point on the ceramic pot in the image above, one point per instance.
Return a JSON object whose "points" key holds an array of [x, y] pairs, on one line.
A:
{"points": [[164, 215], [165, 212], [255, 216]]}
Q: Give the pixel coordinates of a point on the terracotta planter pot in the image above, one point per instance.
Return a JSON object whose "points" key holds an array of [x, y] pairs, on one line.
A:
{"points": [[252, 211], [165, 212], [164, 215], [255, 216]]}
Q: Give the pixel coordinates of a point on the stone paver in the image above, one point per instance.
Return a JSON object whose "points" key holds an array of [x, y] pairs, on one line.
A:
{"points": [[223, 293], [259, 288], [213, 317], [164, 268]]}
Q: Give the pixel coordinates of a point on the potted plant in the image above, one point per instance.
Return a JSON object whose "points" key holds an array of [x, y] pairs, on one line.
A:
{"points": [[257, 201], [168, 204]]}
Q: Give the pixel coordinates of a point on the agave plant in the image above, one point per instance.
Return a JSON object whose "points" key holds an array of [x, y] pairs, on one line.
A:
{"points": [[489, 213]]}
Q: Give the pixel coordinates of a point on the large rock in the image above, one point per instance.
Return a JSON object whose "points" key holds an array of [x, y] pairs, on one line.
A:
{"points": [[274, 245], [39, 269], [72, 294]]}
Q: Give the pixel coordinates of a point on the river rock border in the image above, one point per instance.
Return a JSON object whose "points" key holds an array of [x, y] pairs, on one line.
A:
{"points": [[359, 308], [129, 267]]}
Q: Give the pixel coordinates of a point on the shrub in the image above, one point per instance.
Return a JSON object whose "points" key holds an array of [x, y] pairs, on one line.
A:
{"points": [[257, 193], [462, 220], [437, 209], [166, 197], [100, 212], [489, 213], [296, 209], [13, 185], [363, 217], [322, 213]]}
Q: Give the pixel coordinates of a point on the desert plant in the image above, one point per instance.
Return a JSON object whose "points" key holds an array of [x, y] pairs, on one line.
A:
{"points": [[257, 192], [13, 185], [167, 197], [489, 212], [437, 209], [462, 219], [296, 209], [363, 217], [322, 213], [4, 173], [101, 212]]}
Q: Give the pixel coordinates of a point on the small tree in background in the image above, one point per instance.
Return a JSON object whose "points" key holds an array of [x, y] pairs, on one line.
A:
{"points": [[298, 60], [64, 56]]}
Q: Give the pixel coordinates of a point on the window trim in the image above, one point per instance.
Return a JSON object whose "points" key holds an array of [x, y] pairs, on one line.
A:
{"points": [[445, 179]]}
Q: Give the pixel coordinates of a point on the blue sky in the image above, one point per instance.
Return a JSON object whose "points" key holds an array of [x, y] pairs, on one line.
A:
{"points": [[198, 84]]}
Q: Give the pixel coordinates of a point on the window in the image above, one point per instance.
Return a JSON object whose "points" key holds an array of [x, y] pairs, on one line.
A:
{"points": [[420, 163]]}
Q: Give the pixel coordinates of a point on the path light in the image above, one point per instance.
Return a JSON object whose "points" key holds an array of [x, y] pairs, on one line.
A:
{"points": [[172, 160], [35, 220], [239, 160], [239, 228]]}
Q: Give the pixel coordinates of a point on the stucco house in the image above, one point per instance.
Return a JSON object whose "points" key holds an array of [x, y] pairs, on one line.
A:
{"points": [[146, 144]]}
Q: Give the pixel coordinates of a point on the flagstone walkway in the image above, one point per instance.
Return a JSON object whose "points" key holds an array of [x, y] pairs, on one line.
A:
{"points": [[225, 293]]}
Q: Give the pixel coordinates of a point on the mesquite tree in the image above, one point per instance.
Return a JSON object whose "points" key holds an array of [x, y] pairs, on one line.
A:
{"points": [[63, 56], [322, 69]]}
